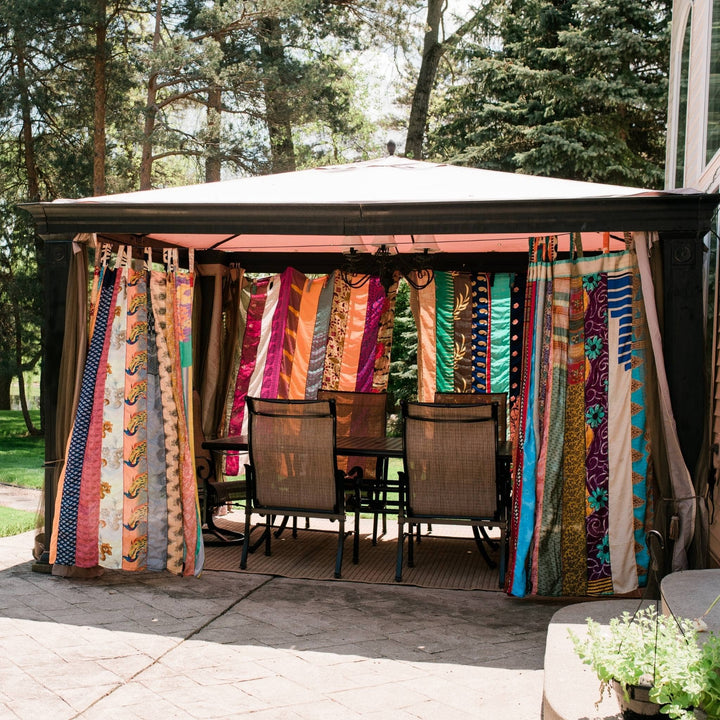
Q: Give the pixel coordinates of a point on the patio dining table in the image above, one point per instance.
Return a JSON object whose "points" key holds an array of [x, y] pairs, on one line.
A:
{"points": [[379, 447], [382, 447]]}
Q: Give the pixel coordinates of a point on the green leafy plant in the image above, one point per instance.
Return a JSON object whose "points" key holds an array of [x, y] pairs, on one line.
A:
{"points": [[710, 668], [658, 652]]}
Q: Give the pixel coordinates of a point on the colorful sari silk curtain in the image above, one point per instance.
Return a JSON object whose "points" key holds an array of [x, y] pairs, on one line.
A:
{"points": [[468, 339], [580, 466], [127, 496], [301, 334]]}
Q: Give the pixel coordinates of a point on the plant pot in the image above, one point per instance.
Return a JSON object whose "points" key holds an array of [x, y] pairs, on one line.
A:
{"points": [[637, 705]]}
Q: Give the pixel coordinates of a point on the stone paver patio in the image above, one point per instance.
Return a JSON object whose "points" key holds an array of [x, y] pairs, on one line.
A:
{"points": [[228, 645]]}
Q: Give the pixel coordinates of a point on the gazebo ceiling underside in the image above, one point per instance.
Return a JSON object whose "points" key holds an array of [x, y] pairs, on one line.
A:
{"points": [[312, 216]]}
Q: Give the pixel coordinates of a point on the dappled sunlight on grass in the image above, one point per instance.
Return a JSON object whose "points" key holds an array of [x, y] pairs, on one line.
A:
{"points": [[14, 522]]}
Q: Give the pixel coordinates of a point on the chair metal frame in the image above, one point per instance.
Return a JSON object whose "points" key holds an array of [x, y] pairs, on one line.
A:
{"points": [[497, 516], [479, 398], [261, 407]]}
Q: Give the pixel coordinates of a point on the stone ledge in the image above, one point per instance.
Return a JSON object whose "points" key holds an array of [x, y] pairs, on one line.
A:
{"points": [[690, 593], [571, 689]]}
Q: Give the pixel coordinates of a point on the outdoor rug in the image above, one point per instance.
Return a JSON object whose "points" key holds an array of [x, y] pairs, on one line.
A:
{"points": [[440, 562]]}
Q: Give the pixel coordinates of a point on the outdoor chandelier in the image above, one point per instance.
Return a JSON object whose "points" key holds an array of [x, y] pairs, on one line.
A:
{"points": [[415, 267]]}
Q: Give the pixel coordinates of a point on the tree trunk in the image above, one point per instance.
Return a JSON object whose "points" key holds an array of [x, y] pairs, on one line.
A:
{"points": [[33, 193], [432, 52], [277, 108], [150, 111], [99, 120], [5, 382], [213, 165], [27, 133], [19, 363]]}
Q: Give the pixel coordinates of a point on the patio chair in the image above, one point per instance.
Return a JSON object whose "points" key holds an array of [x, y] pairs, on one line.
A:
{"points": [[451, 474], [364, 414], [481, 399], [213, 493], [292, 470]]}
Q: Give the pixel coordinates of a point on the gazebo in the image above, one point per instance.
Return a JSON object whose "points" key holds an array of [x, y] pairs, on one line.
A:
{"points": [[395, 214]]}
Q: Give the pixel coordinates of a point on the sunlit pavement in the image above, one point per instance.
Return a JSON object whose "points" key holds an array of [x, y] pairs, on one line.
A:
{"points": [[230, 645]]}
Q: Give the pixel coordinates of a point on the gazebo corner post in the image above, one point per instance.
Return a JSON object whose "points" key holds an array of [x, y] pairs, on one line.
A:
{"points": [[684, 348], [56, 258]]}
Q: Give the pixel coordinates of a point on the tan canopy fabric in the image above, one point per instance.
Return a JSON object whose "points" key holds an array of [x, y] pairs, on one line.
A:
{"points": [[405, 205]]}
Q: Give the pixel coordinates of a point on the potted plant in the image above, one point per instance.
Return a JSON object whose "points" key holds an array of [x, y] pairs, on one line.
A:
{"points": [[654, 664]]}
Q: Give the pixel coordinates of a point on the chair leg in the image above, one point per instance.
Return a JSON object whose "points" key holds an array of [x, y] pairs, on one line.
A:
{"points": [[503, 560], [411, 553], [488, 539], [282, 526], [268, 528], [375, 502], [223, 535], [259, 541], [339, 554], [481, 547], [246, 541], [294, 530], [356, 536], [399, 561], [385, 471]]}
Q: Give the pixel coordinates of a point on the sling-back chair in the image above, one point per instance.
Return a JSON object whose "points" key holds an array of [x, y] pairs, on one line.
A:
{"points": [[292, 470], [451, 473], [363, 414], [481, 398], [213, 493]]}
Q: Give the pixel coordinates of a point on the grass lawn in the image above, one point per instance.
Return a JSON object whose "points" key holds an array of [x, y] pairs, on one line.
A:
{"points": [[395, 465], [14, 522], [21, 456]]}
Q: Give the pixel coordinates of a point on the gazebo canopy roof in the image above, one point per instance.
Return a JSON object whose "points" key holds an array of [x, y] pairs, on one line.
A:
{"points": [[403, 204]]}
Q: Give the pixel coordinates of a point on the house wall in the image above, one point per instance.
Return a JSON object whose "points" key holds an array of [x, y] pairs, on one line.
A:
{"points": [[693, 160], [695, 87]]}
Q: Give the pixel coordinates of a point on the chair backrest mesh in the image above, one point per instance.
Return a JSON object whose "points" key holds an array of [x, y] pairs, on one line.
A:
{"points": [[480, 399], [360, 414], [292, 449], [450, 459]]}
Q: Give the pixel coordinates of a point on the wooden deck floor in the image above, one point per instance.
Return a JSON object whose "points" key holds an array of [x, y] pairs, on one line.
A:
{"points": [[441, 561]]}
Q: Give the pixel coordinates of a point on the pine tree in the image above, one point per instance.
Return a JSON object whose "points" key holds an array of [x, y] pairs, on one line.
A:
{"points": [[403, 365], [567, 88]]}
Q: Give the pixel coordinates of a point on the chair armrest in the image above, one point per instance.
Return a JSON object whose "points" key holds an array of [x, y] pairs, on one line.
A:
{"points": [[204, 468]]}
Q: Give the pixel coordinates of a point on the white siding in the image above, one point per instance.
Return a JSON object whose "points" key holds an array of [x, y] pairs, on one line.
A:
{"points": [[698, 173]]}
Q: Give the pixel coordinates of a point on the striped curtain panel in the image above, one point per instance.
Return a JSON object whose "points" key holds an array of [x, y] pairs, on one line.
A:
{"points": [[301, 334], [469, 337], [127, 495], [580, 465]]}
